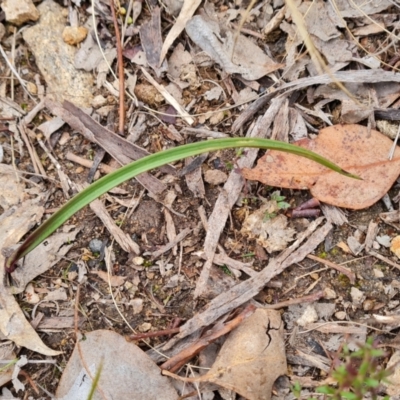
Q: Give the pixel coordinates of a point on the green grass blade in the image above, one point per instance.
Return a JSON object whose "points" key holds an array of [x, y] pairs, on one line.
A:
{"points": [[147, 163]]}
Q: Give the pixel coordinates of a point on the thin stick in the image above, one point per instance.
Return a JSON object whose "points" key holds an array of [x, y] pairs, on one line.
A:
{"points": [[120, 73], [385, 259], [339, 268], [178, 360], [14, 71], [146, 335], [305, 299]]}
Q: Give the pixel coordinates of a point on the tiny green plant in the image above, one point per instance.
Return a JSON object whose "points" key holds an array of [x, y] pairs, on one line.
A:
{"points": [[145, 164], [226, 270], [359, 374], [280, 204]]}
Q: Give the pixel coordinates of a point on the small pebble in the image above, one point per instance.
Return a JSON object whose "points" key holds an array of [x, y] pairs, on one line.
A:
{"points": [[99, 101], [146, 326], [95, 245], [329, 293], [150, 275], [79, 170], [32, 88], [378, 273], [215, 176], [91, 263], [138, 260], [395, 247], [309, 316], [36, 179], [341, 315], [73, 35], [314, 276], [65, 137], [357, 296], [128, 285], [368, 305]]}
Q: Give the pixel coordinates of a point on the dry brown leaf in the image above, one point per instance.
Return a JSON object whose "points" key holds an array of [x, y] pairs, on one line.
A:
{"points": [[127, 372], [11, 189], [115, 280], [188, 9], [244, 57], [252, 357], [44, 257], [15, 222], [349, 146]]}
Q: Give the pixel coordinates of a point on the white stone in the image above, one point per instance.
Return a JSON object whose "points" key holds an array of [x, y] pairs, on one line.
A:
{"points": [[215, 176], [329, 293], [357, 296], [138, 260], [309, 316], [19, 11], [378, 273], [99, 101], [340, 315]]}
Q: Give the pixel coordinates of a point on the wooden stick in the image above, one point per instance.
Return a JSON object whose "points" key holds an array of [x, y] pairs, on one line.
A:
{"points": [[121, 76], [339, 268]]}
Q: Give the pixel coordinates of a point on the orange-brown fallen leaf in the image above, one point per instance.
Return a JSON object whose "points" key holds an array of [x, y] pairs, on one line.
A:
{"points": [[353, 148]]}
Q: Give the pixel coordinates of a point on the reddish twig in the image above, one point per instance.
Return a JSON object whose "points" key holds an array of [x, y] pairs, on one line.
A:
{"points": [[306, 299], [146, 335], [305, 210], [180, 359], [340, 268], [120, 73], [30, 381]]}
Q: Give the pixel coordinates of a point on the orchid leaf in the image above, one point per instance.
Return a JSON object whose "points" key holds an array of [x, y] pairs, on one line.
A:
{"points": [[144, 164]]}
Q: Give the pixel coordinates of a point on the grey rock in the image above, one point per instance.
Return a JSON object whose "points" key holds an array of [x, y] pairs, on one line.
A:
{"points": [[55, 58], [95, 245], [20, 11]]}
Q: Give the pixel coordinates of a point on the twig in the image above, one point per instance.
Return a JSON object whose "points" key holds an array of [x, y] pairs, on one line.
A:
{"points": [[177, 361], [14, 71], [37, 165], [66, 183], [385, 259], [104, 168], [120, 73], [146, 335], [305, 299], [339, 268]]}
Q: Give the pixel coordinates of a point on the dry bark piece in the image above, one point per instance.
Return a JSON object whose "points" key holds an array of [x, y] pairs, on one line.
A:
{"points": [[12, 190], [351, 147]]}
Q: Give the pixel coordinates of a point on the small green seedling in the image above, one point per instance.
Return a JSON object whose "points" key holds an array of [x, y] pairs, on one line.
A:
{"points": [[359, 374], [281, 205]]}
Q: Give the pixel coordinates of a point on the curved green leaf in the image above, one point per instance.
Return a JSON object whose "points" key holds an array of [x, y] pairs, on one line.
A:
{"points": [[147, 163]]}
